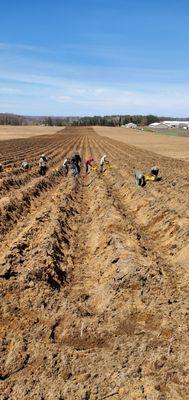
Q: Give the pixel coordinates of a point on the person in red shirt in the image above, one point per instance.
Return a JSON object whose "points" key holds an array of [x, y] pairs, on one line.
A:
{"points": [[86, 165]]}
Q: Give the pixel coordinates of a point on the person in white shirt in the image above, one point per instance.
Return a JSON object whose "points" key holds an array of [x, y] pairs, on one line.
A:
{"points": [[140, 178], [103, 161]]}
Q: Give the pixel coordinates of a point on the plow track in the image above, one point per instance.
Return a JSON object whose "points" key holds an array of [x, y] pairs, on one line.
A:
{"points": [[93, 273]]}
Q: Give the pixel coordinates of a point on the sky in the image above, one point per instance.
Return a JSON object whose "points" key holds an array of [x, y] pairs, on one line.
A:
{"points": [[94, 57]]}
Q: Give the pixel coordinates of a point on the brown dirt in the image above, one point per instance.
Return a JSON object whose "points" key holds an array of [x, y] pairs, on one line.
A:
{"points": [[8, 132], [170, 146], [94, 275]]}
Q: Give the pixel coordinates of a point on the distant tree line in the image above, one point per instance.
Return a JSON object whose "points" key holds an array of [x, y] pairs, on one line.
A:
{"points": [[12, 119], [116, 120], [113, 120]]}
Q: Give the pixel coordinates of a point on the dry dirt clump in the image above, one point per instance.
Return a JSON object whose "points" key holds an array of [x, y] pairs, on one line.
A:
{"points": [[94, 276]]}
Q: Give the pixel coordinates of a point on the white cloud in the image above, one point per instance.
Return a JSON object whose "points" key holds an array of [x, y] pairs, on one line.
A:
{"points": [[63, 98], [108, 100]]}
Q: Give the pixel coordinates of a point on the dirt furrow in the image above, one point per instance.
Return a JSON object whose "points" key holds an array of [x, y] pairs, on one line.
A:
{"points": [[15, 211], [93, 305], [156, 205], [22, 178]]}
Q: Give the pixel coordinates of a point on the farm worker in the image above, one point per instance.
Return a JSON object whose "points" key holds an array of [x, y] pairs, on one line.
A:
{"points": [[154, 172], [66, 165], [140, 178], [76, 163], [153, 176], [76, 168], [76, 159], [43, 165], [102, 162], [25, 165], [86, 165]]}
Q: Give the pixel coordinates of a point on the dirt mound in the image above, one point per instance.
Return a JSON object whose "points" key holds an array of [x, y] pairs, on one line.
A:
{"points": [[94, 276]]}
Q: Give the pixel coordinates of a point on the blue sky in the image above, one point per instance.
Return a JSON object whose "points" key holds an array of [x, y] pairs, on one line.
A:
{"points": [[78, 57]]}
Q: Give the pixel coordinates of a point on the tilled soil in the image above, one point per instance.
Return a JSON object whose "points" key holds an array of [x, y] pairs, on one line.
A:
{"points": [[161, 143], [14, 132], [94, 274]]}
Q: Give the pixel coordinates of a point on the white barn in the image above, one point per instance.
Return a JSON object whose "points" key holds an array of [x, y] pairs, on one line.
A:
{"points": [[170, 124], [158, 125], [176, 124]]}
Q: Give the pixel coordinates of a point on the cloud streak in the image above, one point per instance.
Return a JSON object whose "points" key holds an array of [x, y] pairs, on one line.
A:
{"points": [[36, 86], [10, 91], [24, 48]]}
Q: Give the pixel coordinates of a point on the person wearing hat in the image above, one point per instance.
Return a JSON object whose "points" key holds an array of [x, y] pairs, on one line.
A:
{"points": [[154, 172], [43, 165], [102, 162]]}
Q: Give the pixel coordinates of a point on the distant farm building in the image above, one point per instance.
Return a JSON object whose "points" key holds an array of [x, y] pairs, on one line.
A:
{"points": [[177, 124], [130, 125], [170, 124], [158, 125], [154, 124]]}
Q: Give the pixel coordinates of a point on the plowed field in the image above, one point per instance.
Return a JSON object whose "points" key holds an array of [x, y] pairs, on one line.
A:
{"points": [[165, 145], [94, 274], [8, 132]]}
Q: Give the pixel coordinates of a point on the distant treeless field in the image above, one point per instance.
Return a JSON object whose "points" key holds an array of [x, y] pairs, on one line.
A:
{"points": [[170, 146], [14, 132]]}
